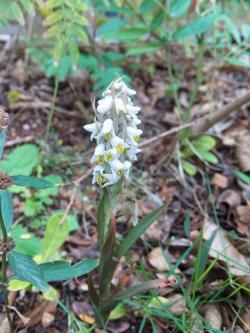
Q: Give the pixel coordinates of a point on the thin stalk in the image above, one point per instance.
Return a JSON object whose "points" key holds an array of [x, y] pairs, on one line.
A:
{"points": [[199, 76], [4, 274], [52, 109]]}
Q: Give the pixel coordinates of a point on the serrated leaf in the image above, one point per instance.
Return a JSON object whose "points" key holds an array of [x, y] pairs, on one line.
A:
{"points": [[25, 269], [196, 27], [17, 13], [20, 160], [55, 30], [55, 235], [62, 270], [29, 181], [136, 232], [6, 209], [189, 168], [178, 7]]}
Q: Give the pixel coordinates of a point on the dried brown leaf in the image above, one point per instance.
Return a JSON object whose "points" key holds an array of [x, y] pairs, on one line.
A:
{"points": [[243, 214], [212, 314], [243, 152], [223, 249], [230, 197], [157, 260], [219, 180]]}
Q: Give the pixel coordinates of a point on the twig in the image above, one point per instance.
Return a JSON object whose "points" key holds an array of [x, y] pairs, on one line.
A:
{"points": [[208, 121]]}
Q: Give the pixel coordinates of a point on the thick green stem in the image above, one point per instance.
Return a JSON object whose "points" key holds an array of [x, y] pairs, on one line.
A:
{"points": [[4, 273]]}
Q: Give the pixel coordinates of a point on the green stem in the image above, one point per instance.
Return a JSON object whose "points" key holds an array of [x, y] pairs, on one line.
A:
{"points": [[52, 109], [199, 76], [4, 273]]}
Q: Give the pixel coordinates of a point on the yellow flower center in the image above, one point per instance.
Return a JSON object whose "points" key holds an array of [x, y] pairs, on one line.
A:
{"points": [[100, 159], [136, 138], [121, 172], [109, 156], [107, 136], [120, 149]]}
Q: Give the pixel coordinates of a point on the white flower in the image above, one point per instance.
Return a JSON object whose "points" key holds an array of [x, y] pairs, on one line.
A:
{"points": [[132, 108], [120, 167], [116, 134], [98, 174], [93, 129], [134, 134], [108, 129], [99, 154], [105, 104], [119, 105], [119, 144], [111, 179]]}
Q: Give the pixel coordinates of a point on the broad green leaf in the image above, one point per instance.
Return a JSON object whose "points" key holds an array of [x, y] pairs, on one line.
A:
{"points": [[17, 13], [143, 50], [25, 241], [25, 269], [62, 270], [55, 235], [136, 232], [55, 17], [209, 157], [146, 6], [178, 7], [244, 177], [189, 168], [196, 27], [204, 142], [30, 181], [2, 140], [17, 285], [53, 3], [103, 216], [21, 160], [110, 26], [118, 312], [128, 34], [6, 209]]}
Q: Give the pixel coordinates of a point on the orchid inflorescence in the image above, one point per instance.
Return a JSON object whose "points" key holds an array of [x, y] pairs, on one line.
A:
{"points": [[116, 134]]}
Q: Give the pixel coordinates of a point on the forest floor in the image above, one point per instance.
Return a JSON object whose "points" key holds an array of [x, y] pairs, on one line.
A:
{"points": [[216, 196]]}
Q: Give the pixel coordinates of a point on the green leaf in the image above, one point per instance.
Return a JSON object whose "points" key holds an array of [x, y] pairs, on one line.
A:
{"points": [[103, 216], [187, 223], [26, 242], [209, 157], [204, 142], [128, 34], [178, 7], [62, 270], [146, 6], [245, 178], [30, 181], [196, 27], [2, 141], [143, 50], [136, 232], [157, 20], [55, 235], [110, 26], [17, 13], [21, 160], [25, 269], [17, 285], [237, 62], [28, 6], [189, 168], [6, 209]]}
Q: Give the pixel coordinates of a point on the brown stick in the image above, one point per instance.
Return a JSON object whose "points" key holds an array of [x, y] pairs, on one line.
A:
{"points": [[208, 121]]}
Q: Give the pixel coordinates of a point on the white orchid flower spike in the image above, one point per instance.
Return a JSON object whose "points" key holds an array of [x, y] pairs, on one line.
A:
{"points": [[116, 134]]}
